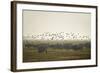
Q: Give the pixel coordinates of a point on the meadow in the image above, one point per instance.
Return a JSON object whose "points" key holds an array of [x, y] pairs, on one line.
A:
{"points": [[55, 50]]}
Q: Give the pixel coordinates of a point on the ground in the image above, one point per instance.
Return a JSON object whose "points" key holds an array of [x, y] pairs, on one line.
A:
{"points": [[32, 54]]}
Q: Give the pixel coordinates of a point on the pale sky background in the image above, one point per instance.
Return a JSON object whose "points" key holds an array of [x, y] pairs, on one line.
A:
{"points": [[36, 22]]}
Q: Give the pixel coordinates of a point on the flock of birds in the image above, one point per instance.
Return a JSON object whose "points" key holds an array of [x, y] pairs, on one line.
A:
{"points": [[58, 36]]}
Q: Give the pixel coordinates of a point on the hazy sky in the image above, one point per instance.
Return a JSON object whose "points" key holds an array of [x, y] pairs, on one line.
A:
{"points": [[35, 22]]}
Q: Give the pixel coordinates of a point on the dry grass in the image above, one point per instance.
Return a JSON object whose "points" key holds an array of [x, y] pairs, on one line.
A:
{"points": [[32, 55]]}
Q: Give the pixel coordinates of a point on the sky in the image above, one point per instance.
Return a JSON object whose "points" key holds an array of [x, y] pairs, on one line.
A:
{"points": [[36, 22]]}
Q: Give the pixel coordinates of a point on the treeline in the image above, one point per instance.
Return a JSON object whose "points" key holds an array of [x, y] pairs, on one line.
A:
{"points": [[42, 47]]}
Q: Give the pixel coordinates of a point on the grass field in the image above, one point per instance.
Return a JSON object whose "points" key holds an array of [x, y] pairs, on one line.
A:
{"points": [[35, 51]]}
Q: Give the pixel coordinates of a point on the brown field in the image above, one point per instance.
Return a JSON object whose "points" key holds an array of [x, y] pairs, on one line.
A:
{"points": [[31, 55]]}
